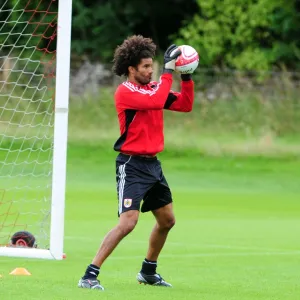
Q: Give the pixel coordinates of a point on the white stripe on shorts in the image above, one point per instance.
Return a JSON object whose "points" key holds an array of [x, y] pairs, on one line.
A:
{"points": [[121, 183]]}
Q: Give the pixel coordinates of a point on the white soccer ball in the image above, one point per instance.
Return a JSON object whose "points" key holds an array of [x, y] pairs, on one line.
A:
{"points": [[187, 61]]}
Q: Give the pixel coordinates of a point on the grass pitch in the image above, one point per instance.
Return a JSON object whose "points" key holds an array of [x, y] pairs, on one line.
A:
{"points": [[236, 237]]}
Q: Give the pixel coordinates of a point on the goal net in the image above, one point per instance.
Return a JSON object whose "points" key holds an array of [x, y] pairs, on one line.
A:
{"points": [[34, 75]]}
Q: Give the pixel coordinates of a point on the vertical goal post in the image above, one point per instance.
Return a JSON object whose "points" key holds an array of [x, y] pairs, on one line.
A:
{"points": [[24, 176]]}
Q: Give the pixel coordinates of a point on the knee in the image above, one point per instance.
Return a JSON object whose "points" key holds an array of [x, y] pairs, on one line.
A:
{"points": [[167, 224], [128, 226]]}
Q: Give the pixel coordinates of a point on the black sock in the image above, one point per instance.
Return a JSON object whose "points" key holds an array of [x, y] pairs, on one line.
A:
{"points": [[92, 271], [149, 267]]}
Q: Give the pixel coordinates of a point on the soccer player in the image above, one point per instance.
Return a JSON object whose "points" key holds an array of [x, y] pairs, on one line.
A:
{"points": [[140, 180]]}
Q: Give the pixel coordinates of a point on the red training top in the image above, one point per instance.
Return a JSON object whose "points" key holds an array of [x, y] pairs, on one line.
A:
{"points": [[140, 113]]}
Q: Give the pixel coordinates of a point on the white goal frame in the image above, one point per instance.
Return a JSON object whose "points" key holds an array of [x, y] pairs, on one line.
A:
{"points": [[60, 143]]}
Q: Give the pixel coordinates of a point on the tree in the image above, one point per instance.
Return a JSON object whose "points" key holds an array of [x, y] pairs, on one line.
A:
{"points": [[99, 26], [245, 34]]}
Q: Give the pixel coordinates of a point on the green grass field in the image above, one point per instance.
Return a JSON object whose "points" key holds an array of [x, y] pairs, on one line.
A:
{"points": [[236, 237], [233, 166]]}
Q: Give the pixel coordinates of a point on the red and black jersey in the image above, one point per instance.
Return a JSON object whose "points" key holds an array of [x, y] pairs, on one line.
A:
{"points": [[140, 113]]}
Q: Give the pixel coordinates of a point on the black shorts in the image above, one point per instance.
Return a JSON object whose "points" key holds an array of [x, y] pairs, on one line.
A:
{"points": [[140, 178]]}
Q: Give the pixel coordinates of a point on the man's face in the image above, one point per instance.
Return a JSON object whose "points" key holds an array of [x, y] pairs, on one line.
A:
{"points": [[143, 73]]}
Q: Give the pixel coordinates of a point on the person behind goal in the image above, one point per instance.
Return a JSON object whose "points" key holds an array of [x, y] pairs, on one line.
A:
{"points": [[141, 184]]}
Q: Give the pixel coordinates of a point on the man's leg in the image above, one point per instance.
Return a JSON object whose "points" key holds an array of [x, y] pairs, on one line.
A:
{"points": [[127, 222], [165, 220]]}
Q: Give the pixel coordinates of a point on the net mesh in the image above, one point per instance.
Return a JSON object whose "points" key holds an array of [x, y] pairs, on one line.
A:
{"points": [[27, 81]]}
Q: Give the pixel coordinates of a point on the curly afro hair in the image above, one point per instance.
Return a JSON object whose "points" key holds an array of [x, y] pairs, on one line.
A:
{"points": [[130, 53]]}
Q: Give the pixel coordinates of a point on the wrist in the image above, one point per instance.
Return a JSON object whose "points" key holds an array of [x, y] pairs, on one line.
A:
{"points": [[186, 77]]}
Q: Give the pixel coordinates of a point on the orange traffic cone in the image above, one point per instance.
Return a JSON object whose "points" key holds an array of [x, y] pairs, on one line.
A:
{"points": [[20, 271]]}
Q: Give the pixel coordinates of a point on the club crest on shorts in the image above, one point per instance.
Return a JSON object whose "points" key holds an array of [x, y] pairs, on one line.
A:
{"points": [[127, 202]]}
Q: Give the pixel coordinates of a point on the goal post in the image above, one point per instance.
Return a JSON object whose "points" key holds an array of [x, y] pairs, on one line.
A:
{"points": [[35, 42], [60, 128]]}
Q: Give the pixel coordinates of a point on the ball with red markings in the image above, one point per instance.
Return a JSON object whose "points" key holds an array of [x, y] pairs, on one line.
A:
{"points": [[187, 61]]}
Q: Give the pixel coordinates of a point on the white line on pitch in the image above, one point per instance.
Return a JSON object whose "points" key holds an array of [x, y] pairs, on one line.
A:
{"points": [[237, 247], [193, 255], [233, 254]]}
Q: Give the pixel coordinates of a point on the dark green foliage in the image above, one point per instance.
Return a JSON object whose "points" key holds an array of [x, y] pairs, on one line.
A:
{"points": [[240, 34], [99, 26], [252, 34]]}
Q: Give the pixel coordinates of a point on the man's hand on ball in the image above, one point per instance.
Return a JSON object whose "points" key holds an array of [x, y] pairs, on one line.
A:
{"points": [[170, 57]]}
